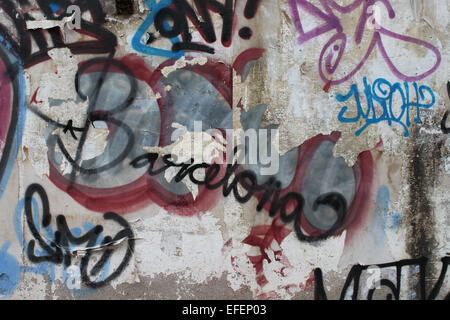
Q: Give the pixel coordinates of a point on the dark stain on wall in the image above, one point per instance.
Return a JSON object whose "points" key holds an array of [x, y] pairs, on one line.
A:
{"points": [[423, 175], [124, 7]]}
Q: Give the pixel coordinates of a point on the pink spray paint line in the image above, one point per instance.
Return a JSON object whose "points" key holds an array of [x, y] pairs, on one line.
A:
{"points": [[332, 22], [5, 103]]}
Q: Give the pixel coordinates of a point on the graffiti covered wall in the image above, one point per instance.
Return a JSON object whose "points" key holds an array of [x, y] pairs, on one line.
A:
{"points": [[224, 149]]}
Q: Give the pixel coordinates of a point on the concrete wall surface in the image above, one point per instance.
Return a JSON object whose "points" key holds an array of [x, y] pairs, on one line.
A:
{"points": [[224, 149]]}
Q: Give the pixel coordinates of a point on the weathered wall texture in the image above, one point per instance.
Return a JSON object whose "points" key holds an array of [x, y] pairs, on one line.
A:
{"points": [[100, 108]]}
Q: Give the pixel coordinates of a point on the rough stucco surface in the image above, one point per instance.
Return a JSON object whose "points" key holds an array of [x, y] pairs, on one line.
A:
{"points": [[356, 93]]}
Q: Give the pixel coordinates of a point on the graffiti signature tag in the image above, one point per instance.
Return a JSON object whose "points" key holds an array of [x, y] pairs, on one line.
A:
{"points": [[383, 93], [334, 49], [58, 250]]}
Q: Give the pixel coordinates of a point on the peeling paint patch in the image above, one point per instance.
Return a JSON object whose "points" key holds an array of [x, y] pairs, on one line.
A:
{"points": [[181, 63]]}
